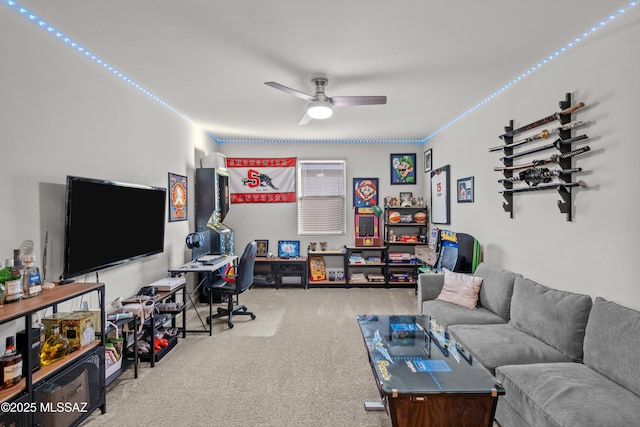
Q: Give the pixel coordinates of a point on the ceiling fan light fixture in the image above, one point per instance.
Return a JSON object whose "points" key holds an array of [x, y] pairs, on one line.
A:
{"points": [[320, 110]]}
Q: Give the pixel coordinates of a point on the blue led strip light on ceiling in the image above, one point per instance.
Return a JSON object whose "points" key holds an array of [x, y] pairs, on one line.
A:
{"points": [[536, 67], [81, 49], [342, 141]]}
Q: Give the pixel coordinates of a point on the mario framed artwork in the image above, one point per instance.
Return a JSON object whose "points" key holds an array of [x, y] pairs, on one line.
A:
{"points": [[365, 192]]}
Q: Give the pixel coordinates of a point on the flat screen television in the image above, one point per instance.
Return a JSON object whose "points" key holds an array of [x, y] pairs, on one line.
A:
{"points": [[109, 223]]}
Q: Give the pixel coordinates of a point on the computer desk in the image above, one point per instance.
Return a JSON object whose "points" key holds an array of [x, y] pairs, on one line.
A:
{"points": [[201, 266]]}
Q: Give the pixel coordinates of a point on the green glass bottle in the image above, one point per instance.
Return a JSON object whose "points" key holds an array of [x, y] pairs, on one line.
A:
{"points": [[4, 276]]}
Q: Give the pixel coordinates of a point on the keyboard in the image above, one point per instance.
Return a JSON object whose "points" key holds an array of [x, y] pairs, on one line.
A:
{"points": [[212, 261]]}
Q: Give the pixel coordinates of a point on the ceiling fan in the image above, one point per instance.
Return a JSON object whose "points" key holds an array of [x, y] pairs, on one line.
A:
{"points": [[321, 106]]}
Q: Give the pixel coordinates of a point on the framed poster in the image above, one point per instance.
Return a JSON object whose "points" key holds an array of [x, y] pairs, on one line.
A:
{"points": [[403, 168], [263, 247], [177, 197], [428, 159], [440, 195], [365, 192], [465, 190]]}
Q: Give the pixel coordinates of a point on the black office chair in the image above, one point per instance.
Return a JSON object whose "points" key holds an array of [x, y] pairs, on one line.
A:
{"points": [[234, 285]]}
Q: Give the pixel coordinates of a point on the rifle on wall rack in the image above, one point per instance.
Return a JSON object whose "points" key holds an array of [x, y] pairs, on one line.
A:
{"points": [[564, 185], [542, 135], [534, 176], [556, 158], [548, 119], [557, 143]]}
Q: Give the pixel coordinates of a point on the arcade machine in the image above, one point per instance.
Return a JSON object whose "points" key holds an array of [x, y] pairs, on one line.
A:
{"points": [[367, 230], [213, 200], [367, 212], [458, 252]]}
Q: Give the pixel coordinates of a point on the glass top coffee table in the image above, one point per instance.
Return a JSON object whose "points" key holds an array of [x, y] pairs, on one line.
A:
{"points": [[425, 378]]}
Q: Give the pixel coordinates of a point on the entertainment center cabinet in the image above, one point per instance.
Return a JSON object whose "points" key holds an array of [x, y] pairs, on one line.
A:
{"points": [[77, 380], [281, 272]]}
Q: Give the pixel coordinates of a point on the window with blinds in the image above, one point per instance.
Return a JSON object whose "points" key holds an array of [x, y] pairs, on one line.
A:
{"points": [[321, 197]]}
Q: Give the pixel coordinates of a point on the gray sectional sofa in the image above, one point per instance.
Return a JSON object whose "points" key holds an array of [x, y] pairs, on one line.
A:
{"points": [[562, 358]]}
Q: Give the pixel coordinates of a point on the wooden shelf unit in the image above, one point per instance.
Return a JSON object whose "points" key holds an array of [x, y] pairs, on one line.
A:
{"points": [[26, 391]]}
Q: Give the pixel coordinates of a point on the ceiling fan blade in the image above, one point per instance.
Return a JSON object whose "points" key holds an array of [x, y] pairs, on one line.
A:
{"points": [[290, 91], [345, 101], [304, 120]]}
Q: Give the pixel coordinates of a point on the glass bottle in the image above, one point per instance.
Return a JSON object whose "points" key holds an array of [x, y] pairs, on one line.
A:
{"points": [[10, 365], [56, 347], [31, 282], [17, 259], [4, 276], [13, 284], [39, 326]]}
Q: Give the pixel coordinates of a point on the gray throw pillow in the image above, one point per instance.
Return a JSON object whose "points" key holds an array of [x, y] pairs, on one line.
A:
{"points": [[555, 317], [496, 290]]}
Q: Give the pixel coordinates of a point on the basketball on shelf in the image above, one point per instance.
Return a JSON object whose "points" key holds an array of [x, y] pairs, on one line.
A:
{"points": [[394, 217], [420, 217]]}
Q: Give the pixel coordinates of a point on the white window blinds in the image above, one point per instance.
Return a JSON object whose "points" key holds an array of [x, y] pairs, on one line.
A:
{"points": [[321, 197]]}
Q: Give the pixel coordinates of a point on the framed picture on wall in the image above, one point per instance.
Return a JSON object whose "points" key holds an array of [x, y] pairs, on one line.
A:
{"points": [[263, 247], [177, 197], [440, 195], [365, 192], [428, 159], [403, 168], [465, 190]]}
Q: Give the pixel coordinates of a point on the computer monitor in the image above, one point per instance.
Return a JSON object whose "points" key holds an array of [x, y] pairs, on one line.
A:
{"points": [[288, 248]]}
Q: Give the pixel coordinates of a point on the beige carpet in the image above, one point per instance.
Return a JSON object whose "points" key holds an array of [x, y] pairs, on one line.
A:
{"points": [[301, 362]]}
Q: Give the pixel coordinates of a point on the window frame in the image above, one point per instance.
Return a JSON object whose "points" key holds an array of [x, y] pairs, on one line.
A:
{"points": [[309, 205]]}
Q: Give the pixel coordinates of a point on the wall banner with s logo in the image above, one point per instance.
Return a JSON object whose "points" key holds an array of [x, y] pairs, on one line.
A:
{"points": [[262, 180]]}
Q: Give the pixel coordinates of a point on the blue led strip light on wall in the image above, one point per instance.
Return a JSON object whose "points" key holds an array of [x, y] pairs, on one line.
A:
{"points": [[87, 53], [536, 67], [81, 49]]}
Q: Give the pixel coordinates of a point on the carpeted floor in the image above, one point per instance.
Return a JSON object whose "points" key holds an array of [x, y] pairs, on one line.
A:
{"points": [[301, 362]]}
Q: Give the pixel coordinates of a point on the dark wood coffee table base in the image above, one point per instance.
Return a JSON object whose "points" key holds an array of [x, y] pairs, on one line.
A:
{"points": [[455, 410]]}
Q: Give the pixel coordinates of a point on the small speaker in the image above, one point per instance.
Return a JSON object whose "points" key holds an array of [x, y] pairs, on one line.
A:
{"points": [[34, 348]]}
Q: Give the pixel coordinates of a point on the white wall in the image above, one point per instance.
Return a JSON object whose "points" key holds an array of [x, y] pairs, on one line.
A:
{"points": [[278, 221], [61, 114], [596, 253]]}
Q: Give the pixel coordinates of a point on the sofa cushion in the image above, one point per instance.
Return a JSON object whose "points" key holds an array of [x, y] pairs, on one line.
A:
{"points": [[461, 289], [566, 394], [612, 343], [496, 290], [558, 318], [498, 345], [447, 314], [429, 287]]}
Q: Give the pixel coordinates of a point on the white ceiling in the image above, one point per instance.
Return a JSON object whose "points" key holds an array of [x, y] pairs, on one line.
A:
{"points": [[434, 60]]}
